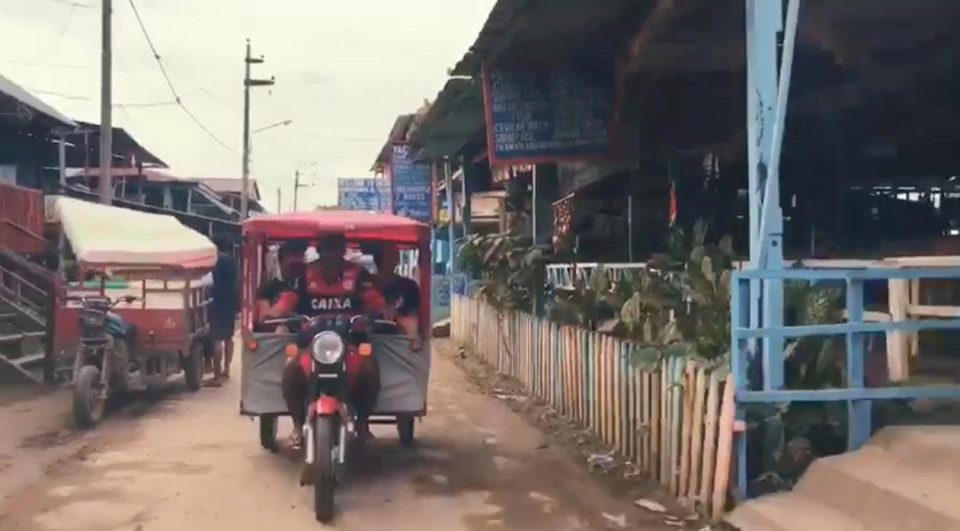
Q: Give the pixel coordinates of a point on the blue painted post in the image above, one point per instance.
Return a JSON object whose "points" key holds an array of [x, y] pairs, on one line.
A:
{"points": [[762, 24], [739, 357], [858, 411], [451, 234]]}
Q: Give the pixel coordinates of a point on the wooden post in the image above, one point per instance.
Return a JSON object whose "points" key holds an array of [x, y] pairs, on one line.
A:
{"points": [[689, 392], [653, 415], [913, 348], [710, 439], [665, 422], [696, 438], [721, 480], [898, 361], [676, 423]]}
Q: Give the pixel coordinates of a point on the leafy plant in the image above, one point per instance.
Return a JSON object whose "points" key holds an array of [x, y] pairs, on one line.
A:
{"points": [[590, 302], [682, 299], [791, 435], [506, 266]]}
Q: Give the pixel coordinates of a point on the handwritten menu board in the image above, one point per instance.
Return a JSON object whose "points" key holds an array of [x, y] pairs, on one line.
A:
{"points": [[412, 186], [362, 194], [549, 115]]}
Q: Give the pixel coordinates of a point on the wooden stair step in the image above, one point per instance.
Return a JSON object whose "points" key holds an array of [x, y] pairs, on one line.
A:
{"points": [[791, 511], [883, 491]]}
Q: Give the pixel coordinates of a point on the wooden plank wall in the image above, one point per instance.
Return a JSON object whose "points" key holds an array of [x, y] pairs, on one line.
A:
{"points": [[667, 419]]}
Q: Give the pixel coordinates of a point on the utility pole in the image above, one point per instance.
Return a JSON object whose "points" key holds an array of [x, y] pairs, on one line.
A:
{"points": [[247, 83], [106, 106], [279, 195], [296, 188]]}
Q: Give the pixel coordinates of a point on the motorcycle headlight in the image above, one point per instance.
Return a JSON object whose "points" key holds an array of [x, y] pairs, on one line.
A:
{"points": [[327, 348], [93, 319]]}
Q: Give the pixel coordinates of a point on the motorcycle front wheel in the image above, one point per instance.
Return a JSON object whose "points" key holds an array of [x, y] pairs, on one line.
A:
{"points": [[324, 443], [89, 402]]}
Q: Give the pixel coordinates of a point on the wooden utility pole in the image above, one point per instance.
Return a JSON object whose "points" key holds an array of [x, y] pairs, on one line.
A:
{"points": [[106, 107], [247, 83], [296, 189]]}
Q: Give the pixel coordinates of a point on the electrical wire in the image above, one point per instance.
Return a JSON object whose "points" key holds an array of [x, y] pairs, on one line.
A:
{"points": [[59, 94], [173, 89], [168, 103], [335, 137], [148, 104], [30, 64], [71, 3], [153, 49]]}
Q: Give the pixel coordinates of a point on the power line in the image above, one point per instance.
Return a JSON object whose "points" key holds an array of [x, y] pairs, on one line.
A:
{"points": [[173, 89], [71, 3], [127, 114], [59, 94], [335, 137], [210, 133], [31, 64], [148, 104], [168, 103], [66, 26], [153, 49]]}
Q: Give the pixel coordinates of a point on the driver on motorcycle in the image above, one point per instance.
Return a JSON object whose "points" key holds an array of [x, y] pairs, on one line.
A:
{"points": [[331, 287]]}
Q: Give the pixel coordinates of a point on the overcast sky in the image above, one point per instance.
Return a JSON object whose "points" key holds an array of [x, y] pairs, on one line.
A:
{"points": [[344, 70]]}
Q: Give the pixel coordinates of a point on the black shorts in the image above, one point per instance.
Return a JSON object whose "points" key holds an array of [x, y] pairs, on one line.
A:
{"points": [[222, 326]]}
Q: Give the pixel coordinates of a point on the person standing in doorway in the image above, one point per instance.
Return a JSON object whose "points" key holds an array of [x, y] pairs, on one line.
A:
{"points": [[223, 309]]}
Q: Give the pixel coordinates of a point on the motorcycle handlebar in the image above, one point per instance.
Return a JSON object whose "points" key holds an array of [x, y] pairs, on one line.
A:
{"points": [[372, 323]]}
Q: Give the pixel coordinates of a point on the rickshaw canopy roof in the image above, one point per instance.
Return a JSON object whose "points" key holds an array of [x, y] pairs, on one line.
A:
{"points": [[119, 238], [354, 225]]}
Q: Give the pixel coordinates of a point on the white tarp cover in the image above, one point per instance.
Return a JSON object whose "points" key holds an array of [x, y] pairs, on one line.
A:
{"points": [[111, 236]]}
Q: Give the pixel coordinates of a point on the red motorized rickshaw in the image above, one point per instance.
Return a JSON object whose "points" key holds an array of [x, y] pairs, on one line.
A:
{"points": [[131, 309], [402, 355]]}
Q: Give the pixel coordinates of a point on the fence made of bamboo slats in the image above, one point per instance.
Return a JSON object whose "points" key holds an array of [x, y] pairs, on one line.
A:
{"points": [[672, 420]]}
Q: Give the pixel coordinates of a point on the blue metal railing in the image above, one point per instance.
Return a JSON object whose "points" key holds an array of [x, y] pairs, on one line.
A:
{"points": [[858, 397]]}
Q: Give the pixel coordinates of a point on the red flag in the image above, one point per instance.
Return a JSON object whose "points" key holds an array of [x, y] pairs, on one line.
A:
{"points": [[673, 204]]}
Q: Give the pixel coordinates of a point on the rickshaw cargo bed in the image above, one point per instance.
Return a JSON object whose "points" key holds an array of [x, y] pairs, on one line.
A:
{"points": [[404, 376]]}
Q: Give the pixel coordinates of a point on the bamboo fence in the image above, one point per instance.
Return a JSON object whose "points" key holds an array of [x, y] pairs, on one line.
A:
{"points": [[673, 421]]}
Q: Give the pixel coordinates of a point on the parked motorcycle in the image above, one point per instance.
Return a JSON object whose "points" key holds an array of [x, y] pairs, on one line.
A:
{"points": [[102, 363]]}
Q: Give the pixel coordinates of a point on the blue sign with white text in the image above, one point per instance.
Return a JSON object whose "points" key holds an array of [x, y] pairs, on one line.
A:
{"points": [[412, 185], [549, 115], [361, 194]]}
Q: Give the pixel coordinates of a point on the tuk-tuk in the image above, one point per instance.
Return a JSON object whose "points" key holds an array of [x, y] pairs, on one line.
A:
{"points": [[136, 284], [404, 361]]}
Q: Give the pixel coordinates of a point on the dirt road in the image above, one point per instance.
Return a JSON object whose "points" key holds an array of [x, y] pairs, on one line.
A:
{"points": [[189, 462]]}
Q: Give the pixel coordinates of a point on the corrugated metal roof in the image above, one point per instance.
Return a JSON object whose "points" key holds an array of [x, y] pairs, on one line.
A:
{"points": [[499, 23], [124, 145], [21, 95], [530, 30], [397, 132], [230, 185], [455, 117]]}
